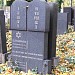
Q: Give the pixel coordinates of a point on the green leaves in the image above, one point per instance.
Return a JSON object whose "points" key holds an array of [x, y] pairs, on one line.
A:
{"points": [[59, 4]]}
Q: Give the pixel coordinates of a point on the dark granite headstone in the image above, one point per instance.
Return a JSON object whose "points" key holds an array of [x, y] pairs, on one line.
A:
{"points": [[18, 15], [2, 33], [53, 30], [37, 50], [62, 23], [33, 49], [3, 49], [38, 16], [29, 49], [69, 10], [38, 44]]}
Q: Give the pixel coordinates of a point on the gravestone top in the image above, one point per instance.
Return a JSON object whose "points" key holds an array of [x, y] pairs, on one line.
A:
{"points": [[18, 15], [60, 16], [38, 16], [62, 23]]}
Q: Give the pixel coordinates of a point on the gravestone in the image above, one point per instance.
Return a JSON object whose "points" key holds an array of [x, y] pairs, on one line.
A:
{"points": [[30, 50], [2, 33], [18, 15], [53, 30], [30, 47], [62, 23], [69, 10], [3, 49], [38, 16]]}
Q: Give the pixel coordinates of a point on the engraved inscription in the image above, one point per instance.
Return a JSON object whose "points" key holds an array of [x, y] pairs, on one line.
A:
{"points": [[36, 17], [20, 44], [18, 16], [18, 34], [27, 57]]}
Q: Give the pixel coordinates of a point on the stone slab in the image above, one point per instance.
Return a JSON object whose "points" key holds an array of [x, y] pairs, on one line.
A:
{"points": [[18, 15], [53, 30], [62, 23], [38, 16], [3, 58], [2, 34], [29, 46]]}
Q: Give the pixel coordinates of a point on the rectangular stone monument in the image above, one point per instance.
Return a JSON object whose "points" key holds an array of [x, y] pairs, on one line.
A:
{"points": [[2, 33], [37, 50], [18, 15], [34, 44], [29, 49], [62, 23], [53, 30], [38, 16], [38, 44], [69, 10], [3, 48]]}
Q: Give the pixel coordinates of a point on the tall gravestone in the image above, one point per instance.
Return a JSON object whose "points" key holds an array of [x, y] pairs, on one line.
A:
{"points": [[52, 30], [29, 48], [30, 42], [3, 49], [18, 27], [38, 23], [62, 23]]}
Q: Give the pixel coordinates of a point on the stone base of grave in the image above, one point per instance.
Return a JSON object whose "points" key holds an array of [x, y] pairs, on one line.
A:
{"points": [[55, 61], [3, 58]]}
